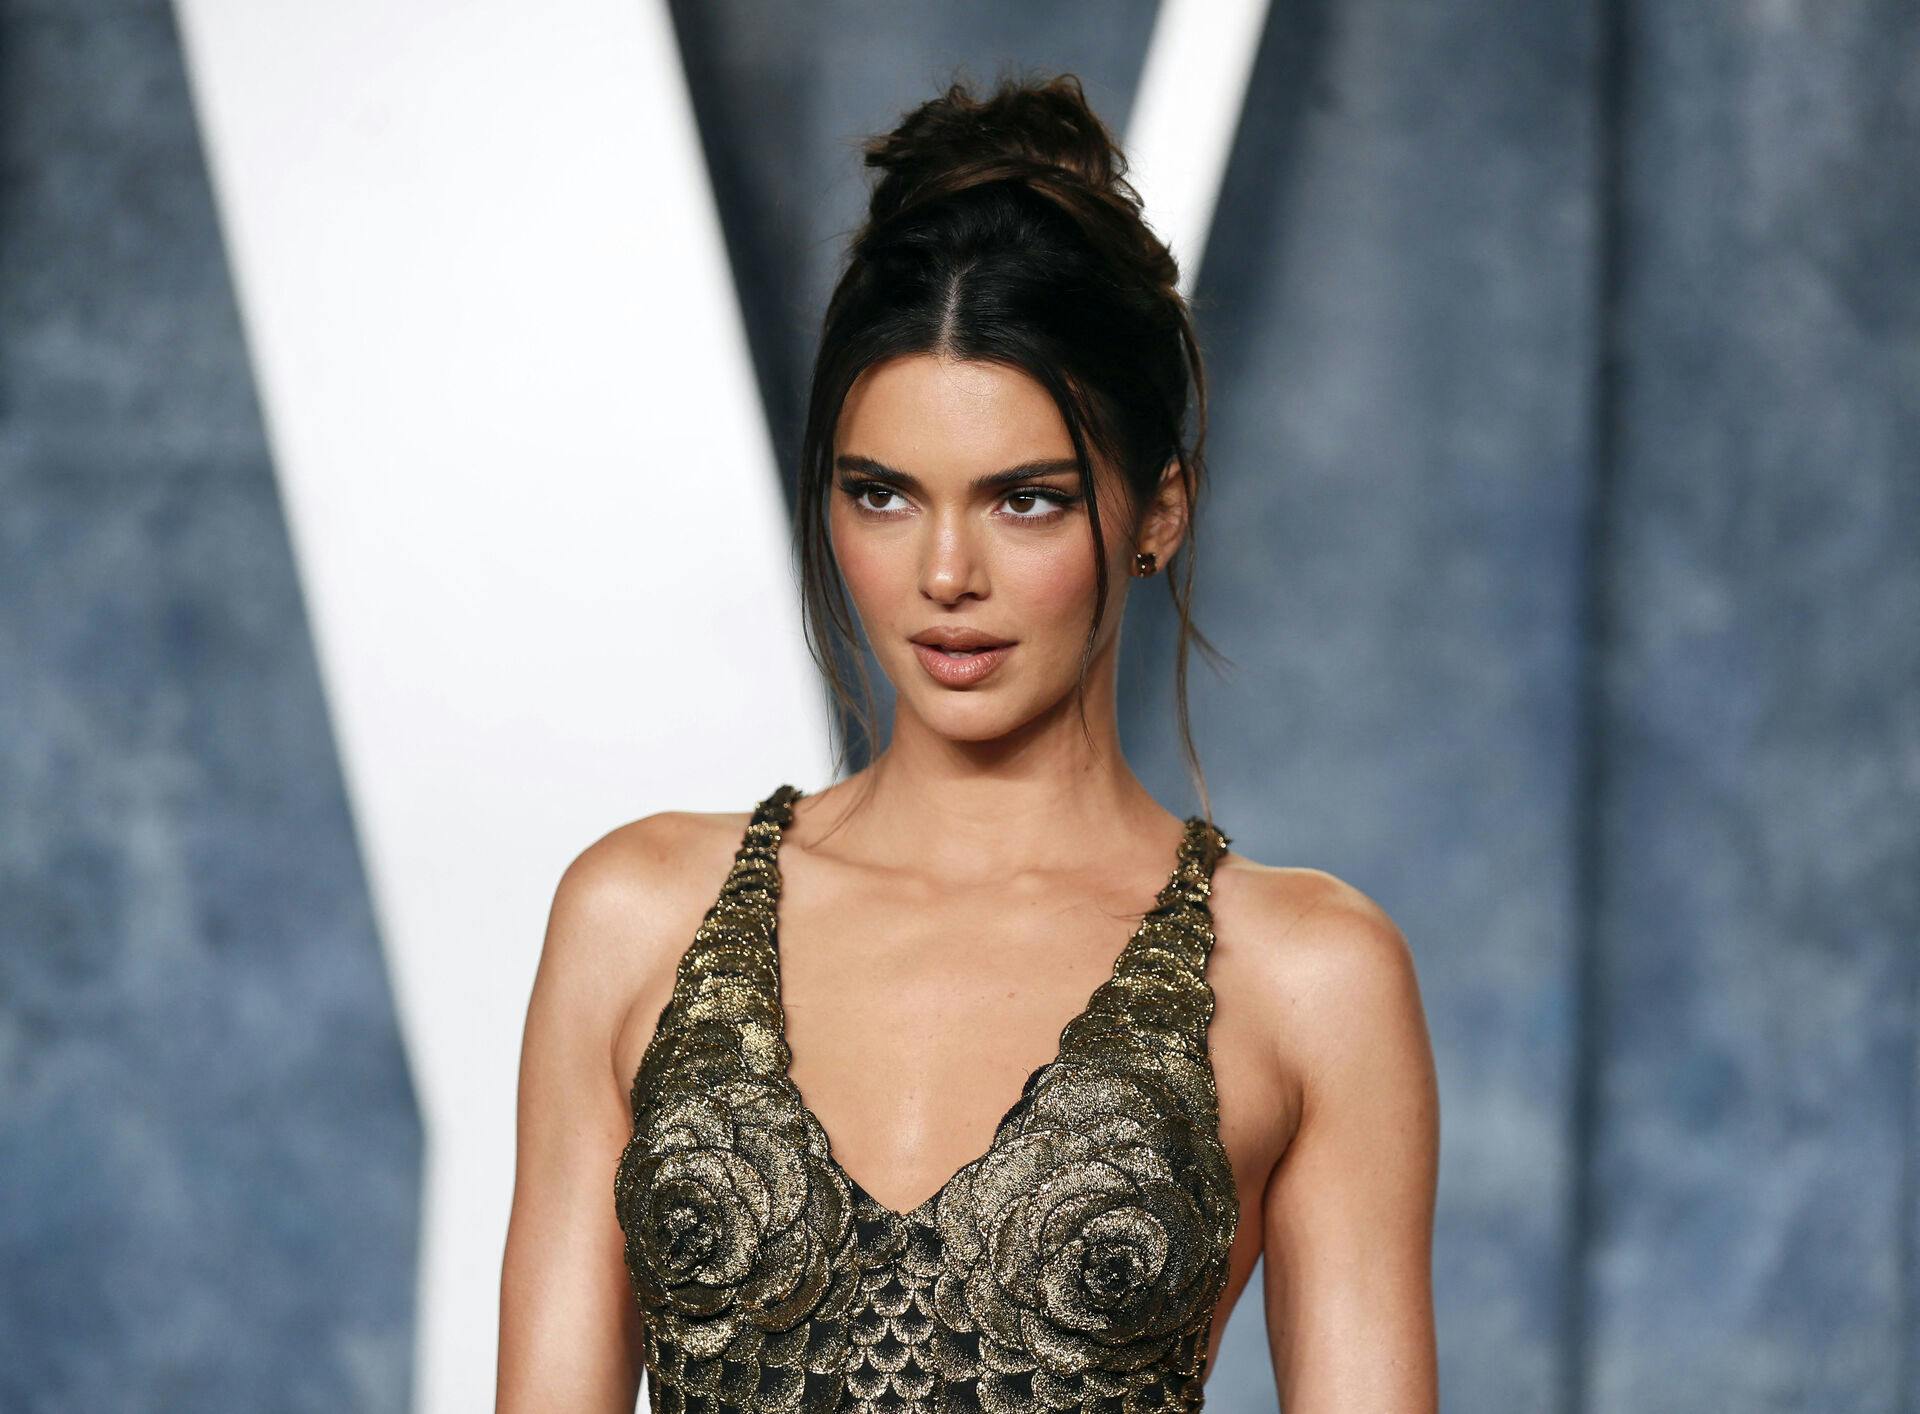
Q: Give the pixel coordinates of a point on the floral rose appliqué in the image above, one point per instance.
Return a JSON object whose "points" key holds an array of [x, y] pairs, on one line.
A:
{"points": [[1092, 1239], [733, 1216]]}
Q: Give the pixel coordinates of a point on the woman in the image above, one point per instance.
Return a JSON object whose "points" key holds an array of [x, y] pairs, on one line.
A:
{"points": [[800, 1124]]}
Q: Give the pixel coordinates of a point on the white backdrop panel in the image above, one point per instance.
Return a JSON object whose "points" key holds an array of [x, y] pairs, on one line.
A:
{"points": [[531, 496]]}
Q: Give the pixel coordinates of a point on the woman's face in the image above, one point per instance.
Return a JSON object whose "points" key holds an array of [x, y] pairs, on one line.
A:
{"points": [[956, 509]]}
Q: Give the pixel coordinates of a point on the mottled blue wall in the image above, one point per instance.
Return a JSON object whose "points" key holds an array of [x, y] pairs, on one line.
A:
{"points": [[209, 1150], [1748, 1235], [1398, 308], [1565, 532], [1564, 537]]}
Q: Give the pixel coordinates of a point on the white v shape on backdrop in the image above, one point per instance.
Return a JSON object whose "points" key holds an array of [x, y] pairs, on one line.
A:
{"points": [[488, 415]]}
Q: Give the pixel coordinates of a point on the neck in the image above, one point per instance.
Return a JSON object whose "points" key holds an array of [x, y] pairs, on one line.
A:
{"points": [[1046, 794]]}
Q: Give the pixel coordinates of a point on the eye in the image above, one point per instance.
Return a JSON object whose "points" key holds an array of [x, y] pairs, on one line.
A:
{"points": [[886, 502], [1038, 503]]}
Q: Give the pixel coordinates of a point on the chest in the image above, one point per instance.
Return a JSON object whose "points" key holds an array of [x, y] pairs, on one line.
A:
{"points": [[1077, 1259], [913, 1024]]}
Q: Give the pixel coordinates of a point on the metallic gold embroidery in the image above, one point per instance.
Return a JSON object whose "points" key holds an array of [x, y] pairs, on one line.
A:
{"points": [[1076, 1265]]}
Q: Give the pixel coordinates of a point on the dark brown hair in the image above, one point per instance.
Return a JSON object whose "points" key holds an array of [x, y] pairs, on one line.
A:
{"points": [[1003, 230]]}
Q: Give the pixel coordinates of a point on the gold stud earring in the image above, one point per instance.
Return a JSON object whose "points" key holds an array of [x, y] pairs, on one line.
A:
{"points": [[1143, 562]]}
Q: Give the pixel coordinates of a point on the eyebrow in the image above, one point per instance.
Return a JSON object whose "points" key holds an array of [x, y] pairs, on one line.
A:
{"points": [[991, 481]]}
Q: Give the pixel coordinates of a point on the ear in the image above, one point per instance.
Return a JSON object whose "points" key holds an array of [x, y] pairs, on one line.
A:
{"points": [[1163, 521]]}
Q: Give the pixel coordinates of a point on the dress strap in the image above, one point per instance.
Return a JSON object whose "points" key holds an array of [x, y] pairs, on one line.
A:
{"points": [[777, 807], [1200, 851], [1159, 989], [1182, 915], [754, 869], [725, 1002]]}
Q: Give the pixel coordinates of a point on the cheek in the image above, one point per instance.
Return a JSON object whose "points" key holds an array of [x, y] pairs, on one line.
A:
{"points": [[872, 565], [1051, 582]]}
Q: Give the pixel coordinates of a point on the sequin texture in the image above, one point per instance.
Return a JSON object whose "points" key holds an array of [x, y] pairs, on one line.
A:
{"points": [[1076, 1265]]}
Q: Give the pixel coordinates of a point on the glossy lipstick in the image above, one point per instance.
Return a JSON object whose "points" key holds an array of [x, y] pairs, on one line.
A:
{"points": [[959, 657]]}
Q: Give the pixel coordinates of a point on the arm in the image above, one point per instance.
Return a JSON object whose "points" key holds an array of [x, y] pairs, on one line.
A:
{"points": [[1348, 1212], [570, 1334]]}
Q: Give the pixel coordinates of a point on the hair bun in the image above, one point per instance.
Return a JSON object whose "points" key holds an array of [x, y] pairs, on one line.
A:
{"points": [[1043, 130]]}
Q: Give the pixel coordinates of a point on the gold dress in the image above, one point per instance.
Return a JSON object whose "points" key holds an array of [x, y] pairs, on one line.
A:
{"points": [[1076, 1265]]}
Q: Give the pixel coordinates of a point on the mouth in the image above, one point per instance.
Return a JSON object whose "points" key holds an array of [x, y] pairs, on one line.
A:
{"points": [[962, 661]]}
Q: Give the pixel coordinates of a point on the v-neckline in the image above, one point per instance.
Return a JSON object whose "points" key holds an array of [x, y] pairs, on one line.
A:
{"points": [[1190, 833]]}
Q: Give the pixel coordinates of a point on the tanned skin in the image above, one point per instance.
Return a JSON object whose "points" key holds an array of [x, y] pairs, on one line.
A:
{"points": [[948, 908]]}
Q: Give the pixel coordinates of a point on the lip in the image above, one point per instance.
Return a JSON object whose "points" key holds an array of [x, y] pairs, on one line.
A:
{"points": [[954, 636], [960, 669]]}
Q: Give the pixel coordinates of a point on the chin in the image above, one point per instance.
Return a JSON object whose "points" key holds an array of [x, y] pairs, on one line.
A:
{"points": [[970, 716]]}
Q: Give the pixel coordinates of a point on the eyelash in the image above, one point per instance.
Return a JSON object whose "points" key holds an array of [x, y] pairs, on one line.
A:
{"points": [[1061, 500]]}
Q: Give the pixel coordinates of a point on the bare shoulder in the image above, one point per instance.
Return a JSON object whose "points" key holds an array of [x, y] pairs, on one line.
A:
{"points": [[1303, 923], [1322, 963], [647, 864], [623, 912]]}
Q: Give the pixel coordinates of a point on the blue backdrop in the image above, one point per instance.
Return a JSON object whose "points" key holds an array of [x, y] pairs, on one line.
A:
{"points": [[1565, 531]]}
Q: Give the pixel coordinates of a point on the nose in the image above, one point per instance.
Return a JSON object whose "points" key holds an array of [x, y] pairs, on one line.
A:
{"points": [[951, 567]]}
